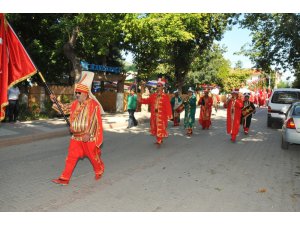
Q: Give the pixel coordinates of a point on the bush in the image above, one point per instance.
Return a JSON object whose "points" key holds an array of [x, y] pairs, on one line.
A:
{"points": [[65, 99], [34, 112], [25, 113], [49, 112]]}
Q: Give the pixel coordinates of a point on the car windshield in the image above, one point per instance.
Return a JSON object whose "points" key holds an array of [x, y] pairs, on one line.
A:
{"points": [[296, 111], [285, 97]]}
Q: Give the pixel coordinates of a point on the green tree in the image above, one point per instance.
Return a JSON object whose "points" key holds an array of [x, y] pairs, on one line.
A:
{"points": [[276, 41], [57, 42], [283, 84], [39, 35], [235, 79], [130, 67], [174, 39], [238, 65], [96, 38], [211, 69]]}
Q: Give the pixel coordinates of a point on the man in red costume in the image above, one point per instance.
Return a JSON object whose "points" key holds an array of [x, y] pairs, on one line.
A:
{"points": [[161, 112], [206, 103], [262, 97], [234, 112], [86, 128]]}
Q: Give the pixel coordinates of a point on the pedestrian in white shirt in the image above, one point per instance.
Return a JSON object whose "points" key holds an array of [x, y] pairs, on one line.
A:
{"points": [[13, 107]]}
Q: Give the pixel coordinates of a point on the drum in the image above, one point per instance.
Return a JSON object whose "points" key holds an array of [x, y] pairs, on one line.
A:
{"points": [[246, 111], [180, 108]]}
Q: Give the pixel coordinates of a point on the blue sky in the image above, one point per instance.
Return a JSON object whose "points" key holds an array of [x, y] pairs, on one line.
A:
{"points": [[234, 39]]}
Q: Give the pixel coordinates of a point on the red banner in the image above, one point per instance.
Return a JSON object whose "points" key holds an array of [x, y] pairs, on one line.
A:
{"points": [[15, 63]]}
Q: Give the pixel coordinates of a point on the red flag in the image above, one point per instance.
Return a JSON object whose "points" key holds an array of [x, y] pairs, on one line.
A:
{"points": [[15, 63]]}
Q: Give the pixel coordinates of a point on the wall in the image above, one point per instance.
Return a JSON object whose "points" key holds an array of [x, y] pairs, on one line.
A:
{"points": [[108, 100]]}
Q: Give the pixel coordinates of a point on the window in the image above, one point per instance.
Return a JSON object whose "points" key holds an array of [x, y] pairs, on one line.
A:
{"points": [[285, 97], [296, 111]]}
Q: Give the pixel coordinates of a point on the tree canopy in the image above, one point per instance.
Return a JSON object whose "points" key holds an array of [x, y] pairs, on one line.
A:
{"points": [[180, 45], [173, 39], [211, 69], [57, 42], [276, 41]]}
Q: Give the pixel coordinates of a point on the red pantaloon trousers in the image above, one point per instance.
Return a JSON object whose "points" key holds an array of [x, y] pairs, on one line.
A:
{"points": [[205, 124], [80, 149]]}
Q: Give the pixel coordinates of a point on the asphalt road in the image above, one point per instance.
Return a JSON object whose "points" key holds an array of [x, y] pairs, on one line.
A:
{"points": [[203, 173]]}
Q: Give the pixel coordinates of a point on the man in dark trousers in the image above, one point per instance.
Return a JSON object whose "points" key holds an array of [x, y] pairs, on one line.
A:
{"points": [[131, 107], [13, 106], [247, 111]]}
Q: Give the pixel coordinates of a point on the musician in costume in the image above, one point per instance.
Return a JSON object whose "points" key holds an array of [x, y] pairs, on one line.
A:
{"points": [[262, 97], [176, 102], [161, 112], [189, 111], [256, 97], [247, 111], [206, 103], [252, 96], [86, 128], [234, 111]]}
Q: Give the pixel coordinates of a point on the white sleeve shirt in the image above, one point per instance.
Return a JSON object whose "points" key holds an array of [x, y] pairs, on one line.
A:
{"points": [[13, 93]]}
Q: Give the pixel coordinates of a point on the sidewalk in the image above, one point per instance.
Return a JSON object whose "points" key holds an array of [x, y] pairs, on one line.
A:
{"points": [[29, 131]]}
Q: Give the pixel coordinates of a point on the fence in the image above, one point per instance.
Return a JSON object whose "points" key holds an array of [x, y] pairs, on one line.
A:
{"points": [[38, 98]]}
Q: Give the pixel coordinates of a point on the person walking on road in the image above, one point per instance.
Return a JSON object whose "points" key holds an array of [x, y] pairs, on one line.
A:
{"points": [[86, 128], [206, 103], [234, 111], [176, 102], [161, 112], [131, 107], [13, 104], [189, 113], [247, 111]]}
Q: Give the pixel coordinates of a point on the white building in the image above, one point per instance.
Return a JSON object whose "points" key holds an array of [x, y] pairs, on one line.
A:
{"points": [[256, 76]]}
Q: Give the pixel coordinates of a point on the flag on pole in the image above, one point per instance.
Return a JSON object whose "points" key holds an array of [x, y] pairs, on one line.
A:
{"points": [[15, 63]]}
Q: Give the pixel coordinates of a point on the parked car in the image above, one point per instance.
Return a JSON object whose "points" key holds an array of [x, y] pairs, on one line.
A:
{"points": [[279, 102], [291, 126]]}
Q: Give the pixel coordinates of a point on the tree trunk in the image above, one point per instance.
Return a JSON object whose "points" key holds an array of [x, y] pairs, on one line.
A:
{"points": [[120, 84], [179, 79], [70, 53]]}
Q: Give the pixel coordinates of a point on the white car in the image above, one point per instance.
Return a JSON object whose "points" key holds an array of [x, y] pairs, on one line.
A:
{"points": [[279, 103], [291, 126]]}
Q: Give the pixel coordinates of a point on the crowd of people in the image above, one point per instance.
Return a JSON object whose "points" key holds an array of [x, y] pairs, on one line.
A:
{"points": [[86, 123], [240, 108], [239, 111]]}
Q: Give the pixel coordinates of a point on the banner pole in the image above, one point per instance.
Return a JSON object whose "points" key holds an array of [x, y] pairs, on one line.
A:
{"points": [[55, 100]]}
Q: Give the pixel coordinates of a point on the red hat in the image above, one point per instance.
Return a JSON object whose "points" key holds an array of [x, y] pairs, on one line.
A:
{"points": [[160, 83], [82, 88], [85, 82]]}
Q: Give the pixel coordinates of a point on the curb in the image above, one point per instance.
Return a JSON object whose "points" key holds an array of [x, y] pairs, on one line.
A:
{"points": [[54, 134], [31, 138]]}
